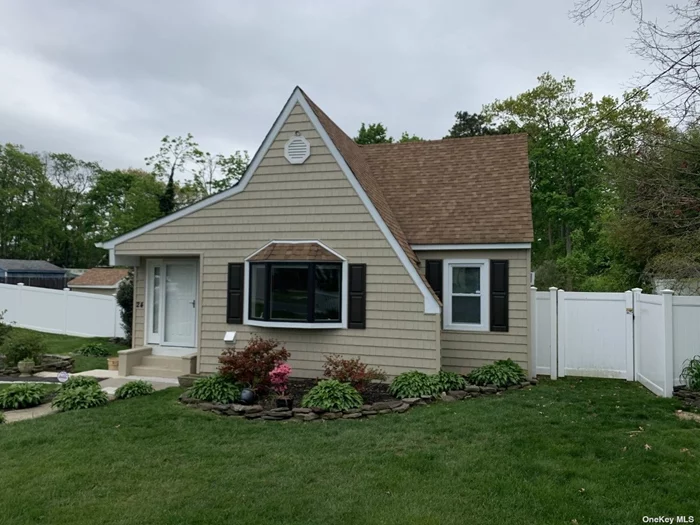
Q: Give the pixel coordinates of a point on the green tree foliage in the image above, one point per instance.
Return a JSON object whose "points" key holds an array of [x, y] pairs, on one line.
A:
{"points": [[474, 125], [378, 134], [573, 140]]}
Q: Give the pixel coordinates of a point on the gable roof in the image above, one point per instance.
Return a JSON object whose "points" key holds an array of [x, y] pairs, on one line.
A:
{"points": [[103, 277], [24, 265], [472, 190]]}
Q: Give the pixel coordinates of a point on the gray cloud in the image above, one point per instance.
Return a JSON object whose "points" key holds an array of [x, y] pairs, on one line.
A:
{"points": [[106, 80]]}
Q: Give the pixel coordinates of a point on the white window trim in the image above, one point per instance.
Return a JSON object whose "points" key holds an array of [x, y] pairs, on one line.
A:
{"points": [[306, 326], [447, 323]]}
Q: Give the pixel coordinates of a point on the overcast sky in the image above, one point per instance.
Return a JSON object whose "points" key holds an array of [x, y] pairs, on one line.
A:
{"points": [[105, 80]]}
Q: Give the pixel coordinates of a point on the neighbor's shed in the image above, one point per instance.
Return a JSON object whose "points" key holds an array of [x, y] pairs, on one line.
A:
{"points": [[103, 281], [41, 274]]}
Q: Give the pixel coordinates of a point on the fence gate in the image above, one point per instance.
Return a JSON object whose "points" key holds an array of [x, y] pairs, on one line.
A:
{"points": [[595, 334]]}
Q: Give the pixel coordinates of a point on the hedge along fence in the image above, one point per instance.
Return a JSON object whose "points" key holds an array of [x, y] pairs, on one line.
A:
{"points": [[365, 411]]}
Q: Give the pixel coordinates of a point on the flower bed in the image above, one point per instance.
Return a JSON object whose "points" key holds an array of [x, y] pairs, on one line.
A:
{"points": [[49, 363], [376, 398]]}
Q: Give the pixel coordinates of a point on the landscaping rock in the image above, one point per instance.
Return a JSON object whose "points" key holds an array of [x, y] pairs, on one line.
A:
{"points": [[533, 381], [369, 412], [472, 388], [401, 408], [332, 415], [381, 405], [311, 416], [385, 411], [448, 399], [488, 390], [350, 411], [254, 415], [525, 384], [354, 415], [317, 410], [457, 394], [427, 399], [366, 407], [411, 400], [271, 415], [206, 406], [252, 409], [514, 387], [279, 409], [301, 410], [184, 398]]}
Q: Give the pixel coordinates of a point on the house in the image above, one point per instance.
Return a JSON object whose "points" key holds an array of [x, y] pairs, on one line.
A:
{"points": [[102, 281], [41, 274], [412, 256]]}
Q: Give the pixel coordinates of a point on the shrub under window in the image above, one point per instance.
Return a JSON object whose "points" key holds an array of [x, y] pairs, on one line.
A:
{"points": [[295, 292]]}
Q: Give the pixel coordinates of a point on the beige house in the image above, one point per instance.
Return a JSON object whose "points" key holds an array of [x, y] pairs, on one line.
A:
{"points": [[101, 281], [412, 256]]}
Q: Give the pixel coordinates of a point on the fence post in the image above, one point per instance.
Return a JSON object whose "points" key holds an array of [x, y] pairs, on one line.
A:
{"points": [[561, 334], [20, 309], [553, 333], [65, 310], [667, 296], [629, 335], [532, 364], [637, 329]]}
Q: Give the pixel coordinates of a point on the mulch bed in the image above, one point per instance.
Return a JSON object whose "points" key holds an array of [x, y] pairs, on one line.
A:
{"points": [[298, 388]]}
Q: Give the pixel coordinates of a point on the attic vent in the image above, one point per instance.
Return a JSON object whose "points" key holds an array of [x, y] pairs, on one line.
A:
{"points": [[297, 150]]}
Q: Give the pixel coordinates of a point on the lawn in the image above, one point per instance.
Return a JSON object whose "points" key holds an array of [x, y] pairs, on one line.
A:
{"points": [[66, 344], [594, 451]]}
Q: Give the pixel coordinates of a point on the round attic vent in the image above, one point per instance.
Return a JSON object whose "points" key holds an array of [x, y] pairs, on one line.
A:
{"points": [[297, 150]]}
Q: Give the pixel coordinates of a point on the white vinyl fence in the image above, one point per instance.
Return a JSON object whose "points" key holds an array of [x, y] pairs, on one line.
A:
{"points": [[61, 311], [628, 335]]}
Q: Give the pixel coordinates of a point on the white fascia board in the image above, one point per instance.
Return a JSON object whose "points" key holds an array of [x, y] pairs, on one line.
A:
{"points": [[96, 286], [495, 246]]}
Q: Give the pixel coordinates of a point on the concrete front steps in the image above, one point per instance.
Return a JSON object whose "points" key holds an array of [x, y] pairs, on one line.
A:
{"points": [[141, 362]]}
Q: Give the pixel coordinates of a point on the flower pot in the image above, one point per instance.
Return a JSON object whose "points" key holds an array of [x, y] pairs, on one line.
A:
{"points": [[285, 402], [25, 367], [247, 396], [112, 363]]}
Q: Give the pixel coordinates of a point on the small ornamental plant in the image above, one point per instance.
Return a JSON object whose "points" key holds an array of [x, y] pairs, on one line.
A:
{"points": [[352, 371], [279, 379], [252, 365]]}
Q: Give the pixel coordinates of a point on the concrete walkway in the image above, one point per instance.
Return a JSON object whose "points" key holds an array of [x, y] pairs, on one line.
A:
{"points": [[109, 384]]}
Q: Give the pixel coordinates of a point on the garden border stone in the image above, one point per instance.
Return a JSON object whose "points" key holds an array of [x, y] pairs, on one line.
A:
{"points": [[367, 411]]}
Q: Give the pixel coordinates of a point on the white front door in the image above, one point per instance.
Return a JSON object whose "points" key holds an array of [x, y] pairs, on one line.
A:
{"points": [[172, 303]]}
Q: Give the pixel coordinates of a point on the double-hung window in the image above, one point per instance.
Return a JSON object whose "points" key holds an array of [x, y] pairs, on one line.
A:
{"points": [[295, 292], [466, 294]]}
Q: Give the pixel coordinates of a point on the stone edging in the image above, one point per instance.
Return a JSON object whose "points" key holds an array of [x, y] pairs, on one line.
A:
{"points": [[49, 363], [366, 411], [689, 397]]}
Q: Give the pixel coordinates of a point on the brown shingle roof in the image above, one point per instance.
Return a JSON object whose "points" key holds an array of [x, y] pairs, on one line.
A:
{"points": [[306, 251], [453, 191], [100, 277], [457, 191]]}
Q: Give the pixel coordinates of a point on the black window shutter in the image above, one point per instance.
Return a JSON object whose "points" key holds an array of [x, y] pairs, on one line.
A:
{"points": [[234, 295], [358, 295], [499, 296], [433, 274]]}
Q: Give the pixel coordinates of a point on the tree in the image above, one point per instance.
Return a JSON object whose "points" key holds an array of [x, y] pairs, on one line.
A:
{"points": [[673, 50], [175, 156], [378, 134], [572, 138], [474, 125], [214, 173], [120, 201], [373, 134]]}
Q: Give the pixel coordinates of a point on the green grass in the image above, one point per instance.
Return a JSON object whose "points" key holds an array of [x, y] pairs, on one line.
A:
{"points": [[66, 344], [562, 451]]}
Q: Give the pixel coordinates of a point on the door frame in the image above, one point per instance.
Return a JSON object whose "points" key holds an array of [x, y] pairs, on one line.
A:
{"points": [[147, 333]]}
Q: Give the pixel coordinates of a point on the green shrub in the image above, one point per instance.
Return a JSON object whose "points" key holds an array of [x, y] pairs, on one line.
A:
{"points": [[414, 384], [134, 389], [5, 328], [500, 373], [22, 395], [23, 345], [2, 418], [79, 397], [330, 394], [447, 381], [80, 381], [690, 374], [215, 389], [93, 350]]}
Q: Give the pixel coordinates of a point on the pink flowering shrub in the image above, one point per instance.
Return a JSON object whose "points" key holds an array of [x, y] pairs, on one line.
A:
{"points": [[279, 377]]}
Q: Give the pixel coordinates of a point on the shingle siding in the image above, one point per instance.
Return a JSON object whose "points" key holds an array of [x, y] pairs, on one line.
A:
{"points": [[311, 201], [463, 351]]}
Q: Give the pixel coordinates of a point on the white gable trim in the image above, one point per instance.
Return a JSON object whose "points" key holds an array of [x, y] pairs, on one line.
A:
{"points": [[431, 306], [501, 246]]}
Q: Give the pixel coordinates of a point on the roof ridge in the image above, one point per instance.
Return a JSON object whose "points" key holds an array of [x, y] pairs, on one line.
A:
{"points": [[443, 140]]}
